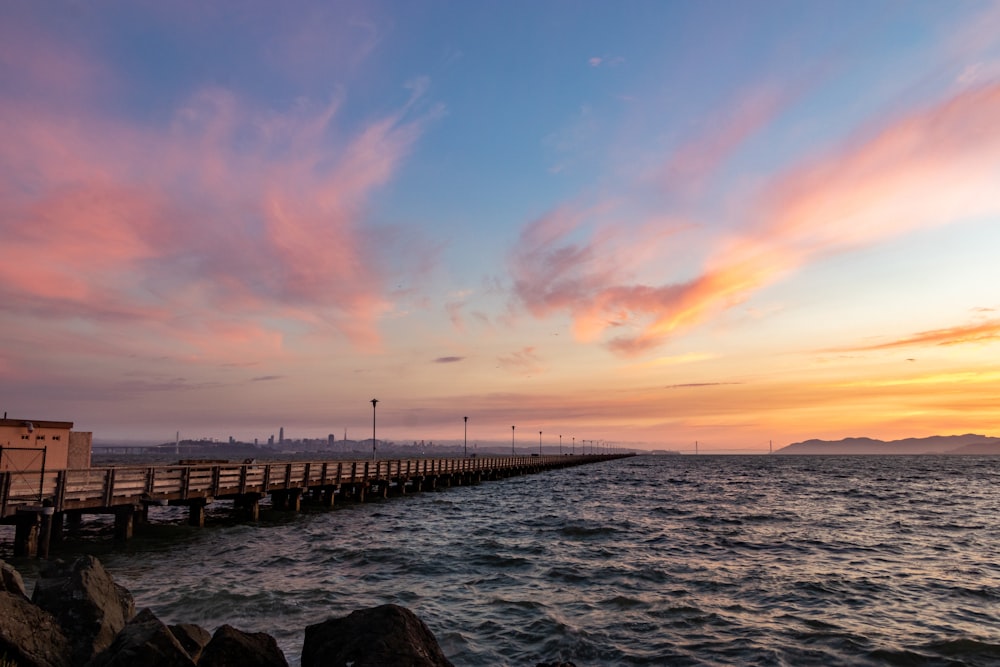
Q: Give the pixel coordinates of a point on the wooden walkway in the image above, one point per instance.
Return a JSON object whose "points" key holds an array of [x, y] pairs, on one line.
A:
{"points": [[40, 504]]}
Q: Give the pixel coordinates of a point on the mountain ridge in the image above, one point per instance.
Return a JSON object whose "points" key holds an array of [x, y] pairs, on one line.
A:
{"points": [[967, 444]]}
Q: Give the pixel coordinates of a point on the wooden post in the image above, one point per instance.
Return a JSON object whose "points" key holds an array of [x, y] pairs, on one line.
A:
{"points": [[58, 521], [60, 497], [45, 531], [26, 535], [196, 513], [247, 506], [216, 479], [279, 500], [74, 522], [124, 522], [294, 500], [109, 486], [4, 490]]}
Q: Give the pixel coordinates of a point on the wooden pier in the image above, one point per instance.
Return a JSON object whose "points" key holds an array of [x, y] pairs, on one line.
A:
{"points": [[41, 504]]}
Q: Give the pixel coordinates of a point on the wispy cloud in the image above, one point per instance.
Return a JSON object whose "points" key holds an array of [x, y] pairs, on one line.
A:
{"points": [[931, 166], [231, 218], [692, 163], [448, 360], [979, 333], [605, 61], [524, 362]]}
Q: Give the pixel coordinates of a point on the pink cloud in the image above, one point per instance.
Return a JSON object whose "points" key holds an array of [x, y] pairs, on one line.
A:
{"points": [[229, 215], [696, 160], [933, 166], [522, 362]]}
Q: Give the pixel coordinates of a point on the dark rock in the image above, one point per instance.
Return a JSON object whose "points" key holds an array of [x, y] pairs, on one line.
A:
{"points": [[384, 635], [232, 648], [556, 664], [11, 581], [145, 641], [91, 608], [193, 638], [29, 636]]}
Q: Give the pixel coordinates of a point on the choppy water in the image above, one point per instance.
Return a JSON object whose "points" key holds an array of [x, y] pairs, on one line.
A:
{"points": [[646, 561]]}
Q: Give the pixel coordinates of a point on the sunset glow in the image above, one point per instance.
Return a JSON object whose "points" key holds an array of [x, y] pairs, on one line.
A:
{"points": [[648, 224]]}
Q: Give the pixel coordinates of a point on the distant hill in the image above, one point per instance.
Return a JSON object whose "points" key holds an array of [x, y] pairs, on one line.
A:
{"points": [[969, 443]]}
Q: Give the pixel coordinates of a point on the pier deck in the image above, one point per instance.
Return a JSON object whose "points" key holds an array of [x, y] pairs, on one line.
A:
{"points": [[38, 503]]}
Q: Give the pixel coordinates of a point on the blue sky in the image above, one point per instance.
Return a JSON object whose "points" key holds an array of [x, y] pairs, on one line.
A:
{"points": [[639, 222]]}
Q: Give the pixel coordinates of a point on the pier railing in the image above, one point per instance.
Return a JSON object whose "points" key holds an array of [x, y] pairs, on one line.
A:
{"points": [[104, 488]]}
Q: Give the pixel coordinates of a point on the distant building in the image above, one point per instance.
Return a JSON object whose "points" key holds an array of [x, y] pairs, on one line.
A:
{"points": [[281, 435], [33, 444]]}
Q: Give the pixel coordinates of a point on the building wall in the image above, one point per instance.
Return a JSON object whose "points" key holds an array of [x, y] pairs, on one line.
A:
{"points": [[80, 446], [22, 446]]}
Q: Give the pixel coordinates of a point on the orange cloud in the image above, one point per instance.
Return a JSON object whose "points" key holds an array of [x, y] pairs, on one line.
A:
{"points": [[983, 332], [933, 166]]}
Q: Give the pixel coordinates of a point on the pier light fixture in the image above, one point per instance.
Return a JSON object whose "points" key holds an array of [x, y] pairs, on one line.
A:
{"points": [[374, 403], [539, 443], [465, 440], [512, 441], [560, 444]]}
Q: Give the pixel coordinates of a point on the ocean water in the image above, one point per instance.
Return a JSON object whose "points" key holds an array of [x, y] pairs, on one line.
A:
{"points": [[652, 560]]}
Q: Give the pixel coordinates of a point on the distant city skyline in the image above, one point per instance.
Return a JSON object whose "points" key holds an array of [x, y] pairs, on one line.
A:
{"points": [[651, 222]]}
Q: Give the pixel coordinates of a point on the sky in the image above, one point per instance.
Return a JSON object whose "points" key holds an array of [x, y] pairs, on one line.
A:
{"points": [[645, 223]]}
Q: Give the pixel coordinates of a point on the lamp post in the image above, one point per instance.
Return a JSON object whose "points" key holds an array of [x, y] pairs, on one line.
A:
{"points": [[560, 444], [465, 445], [374, 403], [512, 441], [539, 443], [574, 445]]}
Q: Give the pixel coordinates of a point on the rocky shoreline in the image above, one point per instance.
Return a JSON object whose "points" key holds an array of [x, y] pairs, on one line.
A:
{"points": [[78, 616]]}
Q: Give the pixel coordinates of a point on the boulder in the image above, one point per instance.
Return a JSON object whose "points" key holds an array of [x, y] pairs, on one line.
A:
{"points": [[145, 641], [233, 648], [29, 636], [384, 635], [193, 638], [11, 581], [91, 608]]}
